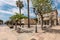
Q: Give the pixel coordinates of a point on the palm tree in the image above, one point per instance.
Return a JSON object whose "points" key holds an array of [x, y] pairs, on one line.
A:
{"points": [[42, 7], [17, 17], [13, 19], [20, 5], [28, 15]]}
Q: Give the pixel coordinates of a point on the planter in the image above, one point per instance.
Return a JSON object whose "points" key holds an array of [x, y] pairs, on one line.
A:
{"points": [[11, 26]]}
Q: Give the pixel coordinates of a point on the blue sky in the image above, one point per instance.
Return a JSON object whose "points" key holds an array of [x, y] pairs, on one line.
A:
{"points": [[8, 8]]}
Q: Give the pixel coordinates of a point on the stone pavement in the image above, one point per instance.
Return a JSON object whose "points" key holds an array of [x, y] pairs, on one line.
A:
{"points": [[51, 34], [8, 34]]}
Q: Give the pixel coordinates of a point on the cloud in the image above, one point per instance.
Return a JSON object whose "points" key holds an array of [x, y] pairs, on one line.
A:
{"points": [[10, 2], [2, 11], [55, 3], [13, 10], [1, 16], [1, 3], [13, 3], [23, 11], [30, 4], [4, 16], [32, 15], [58, 1]]}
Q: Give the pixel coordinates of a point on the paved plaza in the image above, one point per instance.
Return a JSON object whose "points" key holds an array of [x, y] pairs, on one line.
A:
{"points": [[10, 34]]}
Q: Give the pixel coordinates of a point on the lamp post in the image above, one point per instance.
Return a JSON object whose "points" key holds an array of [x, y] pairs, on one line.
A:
{"points": [[18, 3], [28, 14], [36, 20]]}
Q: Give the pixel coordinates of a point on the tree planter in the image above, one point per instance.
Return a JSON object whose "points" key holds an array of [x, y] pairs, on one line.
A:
{"points": [[19, 30], [11, 27]]}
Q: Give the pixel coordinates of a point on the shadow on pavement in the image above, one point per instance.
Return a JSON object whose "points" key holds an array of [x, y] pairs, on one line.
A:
{"points": [[52, 30]]}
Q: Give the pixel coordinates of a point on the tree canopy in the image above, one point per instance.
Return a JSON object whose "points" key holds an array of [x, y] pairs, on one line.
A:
{"points": [[17, 16], [19, 4], [43, 6]]}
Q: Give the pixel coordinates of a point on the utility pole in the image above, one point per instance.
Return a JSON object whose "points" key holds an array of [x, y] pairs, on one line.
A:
{"points": [[28, 14]]}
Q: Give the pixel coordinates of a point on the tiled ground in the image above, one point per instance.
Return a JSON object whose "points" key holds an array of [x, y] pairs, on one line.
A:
{"points": [[8, 34]]}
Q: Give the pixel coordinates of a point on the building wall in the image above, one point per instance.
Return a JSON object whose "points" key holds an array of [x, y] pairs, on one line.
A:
{"points": [[50, 16], [25, 21], [59, 20]]}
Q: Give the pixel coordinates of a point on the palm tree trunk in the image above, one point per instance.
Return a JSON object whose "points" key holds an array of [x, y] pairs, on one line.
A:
{"points": [[20, 10], [20, 14], [41, 22], [36, 31], [28, 15]]}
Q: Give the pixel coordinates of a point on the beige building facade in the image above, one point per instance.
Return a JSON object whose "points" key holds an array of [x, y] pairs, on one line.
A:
{"points": [[25, 21], [59, 20], [49, 18]]}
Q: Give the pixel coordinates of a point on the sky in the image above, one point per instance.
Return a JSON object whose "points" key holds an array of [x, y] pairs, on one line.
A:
{"points": [[8, 8]]}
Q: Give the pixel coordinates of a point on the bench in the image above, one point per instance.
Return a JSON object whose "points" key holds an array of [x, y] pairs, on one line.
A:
{"points": [[26, 30]]}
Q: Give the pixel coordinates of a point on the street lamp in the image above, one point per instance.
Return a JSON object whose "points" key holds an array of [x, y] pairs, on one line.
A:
{"points": [[28, 14], [36, 20]]}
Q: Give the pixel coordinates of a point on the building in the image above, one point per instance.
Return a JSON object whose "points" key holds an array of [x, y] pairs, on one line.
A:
{"points": [[59, 20], [49, 18], [25, 21]]}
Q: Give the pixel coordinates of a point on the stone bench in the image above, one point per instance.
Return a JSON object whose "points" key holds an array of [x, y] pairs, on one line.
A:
{"points": [[26, 30]]}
